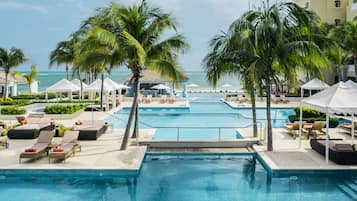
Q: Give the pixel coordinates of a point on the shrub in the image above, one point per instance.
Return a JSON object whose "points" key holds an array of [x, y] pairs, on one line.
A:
{"points": [[12, 110], [34, 96], [62, 129], [64, 109], [333, 122], [16, 102], [307, 112]]}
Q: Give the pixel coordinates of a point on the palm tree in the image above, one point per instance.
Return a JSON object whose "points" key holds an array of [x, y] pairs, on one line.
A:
{"points": [[31, 76], [338, 57], [232, 53], [63, 54], [283, 44], [346, 34], [9, 60], [136, 36]]}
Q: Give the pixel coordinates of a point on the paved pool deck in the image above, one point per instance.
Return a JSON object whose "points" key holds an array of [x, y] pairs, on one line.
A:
{"points": [[261, 104], [287, 154], [102, 154]]}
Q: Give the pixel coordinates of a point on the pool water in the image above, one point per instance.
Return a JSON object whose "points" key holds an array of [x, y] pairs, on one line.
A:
{"points": [[202, 121], [184, 178]]}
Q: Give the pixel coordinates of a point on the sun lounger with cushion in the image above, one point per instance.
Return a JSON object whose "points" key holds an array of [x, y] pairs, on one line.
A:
{"points": [[292, 128], [67, 148], [41, 147], [32, 129], [89, 130], [347, 127], [340, 152]]}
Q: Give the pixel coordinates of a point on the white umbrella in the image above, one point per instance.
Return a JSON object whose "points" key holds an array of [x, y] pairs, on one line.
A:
{"points": [[160, 86], [340, 98], [193, 85], [352, 83], [226, 86]]}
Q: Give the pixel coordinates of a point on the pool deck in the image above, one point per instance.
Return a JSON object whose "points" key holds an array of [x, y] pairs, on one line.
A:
{"points": [[288, 156], [102, 154]]}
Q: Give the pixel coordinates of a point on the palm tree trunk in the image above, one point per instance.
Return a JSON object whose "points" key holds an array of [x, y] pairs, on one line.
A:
{"points": [[270, 132], [80, 81], [355, 61], [136, 124], [5, 95], [101, 92], [124, 143], [67, 69], [254, 111]]}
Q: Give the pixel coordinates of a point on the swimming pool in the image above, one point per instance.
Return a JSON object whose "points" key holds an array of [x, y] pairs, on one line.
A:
{"points": [[202, 121], [183, 178]]}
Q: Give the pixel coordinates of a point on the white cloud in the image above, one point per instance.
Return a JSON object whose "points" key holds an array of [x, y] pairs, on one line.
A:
{"points": [[23, 6]]}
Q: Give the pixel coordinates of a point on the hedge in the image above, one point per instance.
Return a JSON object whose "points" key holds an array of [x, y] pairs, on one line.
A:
{"points": [[64, 109], [12, 110], [34, 96], [311, 116], [16, 102]]}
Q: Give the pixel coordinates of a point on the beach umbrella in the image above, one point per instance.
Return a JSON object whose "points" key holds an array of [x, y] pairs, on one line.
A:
{"points": [[193, 85], [160, 86], [226, 86], [339, 98]]}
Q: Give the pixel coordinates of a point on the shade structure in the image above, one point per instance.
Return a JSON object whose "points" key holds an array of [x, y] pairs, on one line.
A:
{"points": [[97, 85], [160, 86], [193, 85], [77, 82], [226, 85], [340, 98], [315, 84], [352, 83], [63, 86], [110, 82]]}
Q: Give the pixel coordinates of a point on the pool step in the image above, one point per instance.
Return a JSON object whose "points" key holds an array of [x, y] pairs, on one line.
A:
{"points": [[349, 189]]}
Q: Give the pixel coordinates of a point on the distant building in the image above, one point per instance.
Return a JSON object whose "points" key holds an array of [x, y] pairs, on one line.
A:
{"points": [[331, 11], [13, 81]]}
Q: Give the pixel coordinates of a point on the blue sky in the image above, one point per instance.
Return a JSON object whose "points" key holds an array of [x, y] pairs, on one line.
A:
{"points": [[36, 26]]}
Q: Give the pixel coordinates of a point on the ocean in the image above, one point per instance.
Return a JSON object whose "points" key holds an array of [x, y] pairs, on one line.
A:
{"points": [[47, 79]]}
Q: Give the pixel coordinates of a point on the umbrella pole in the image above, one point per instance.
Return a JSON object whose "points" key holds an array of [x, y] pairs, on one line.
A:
{"points": [[353, 128], [300, 118], [327, 138]]}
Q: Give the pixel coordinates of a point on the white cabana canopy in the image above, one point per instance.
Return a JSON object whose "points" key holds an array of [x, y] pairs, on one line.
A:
{"points": [[226, 85], [160, 86], [77, 82], [315, 84], [63, 86], [97, 85], [193, 85], [340, 98]]}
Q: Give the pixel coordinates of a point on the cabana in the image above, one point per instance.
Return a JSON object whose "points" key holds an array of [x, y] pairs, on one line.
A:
{"points": [[340, 98], [115, 86], [96, 87], [314, 84], [63, 86], [77, 82]]}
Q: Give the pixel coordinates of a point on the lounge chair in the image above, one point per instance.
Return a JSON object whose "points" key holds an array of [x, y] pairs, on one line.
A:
{"points": [[292, 128], [32, 129], [275, 99], [347, 127], [284, 99], [340, 152], [317, 128], [4, 142], [67, 148], [148, 99], [140, 98], [89, 130], [172, 99], [163, 99], [41, 147]]}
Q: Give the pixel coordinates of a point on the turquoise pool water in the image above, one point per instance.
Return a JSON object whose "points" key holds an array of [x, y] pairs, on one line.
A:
{"points": [[183, 178], [202, 121]]}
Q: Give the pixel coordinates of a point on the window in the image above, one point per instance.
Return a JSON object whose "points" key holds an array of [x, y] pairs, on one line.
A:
{"points": [[337, 3], [337, 22], [307, 5]]}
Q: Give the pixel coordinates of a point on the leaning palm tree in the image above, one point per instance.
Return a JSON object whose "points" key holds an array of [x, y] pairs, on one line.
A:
{"points": [[346, 34], [232, 53], [31, 76], [8, 60], [283, 45], [137, 33]]}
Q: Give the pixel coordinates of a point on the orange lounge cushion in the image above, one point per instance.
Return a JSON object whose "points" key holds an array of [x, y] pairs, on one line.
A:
{"points": [[58, 149], [289, 124], [308, 124], [30, 150], [23, 122]]}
